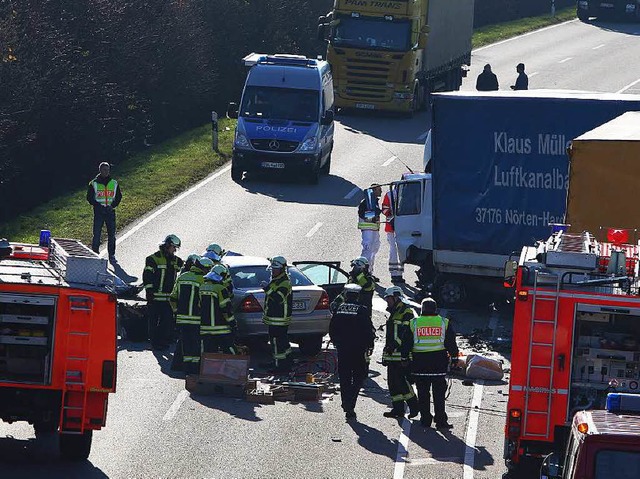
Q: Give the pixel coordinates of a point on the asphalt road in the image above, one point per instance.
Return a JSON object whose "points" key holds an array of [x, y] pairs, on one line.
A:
{"points": [[156, 430]]}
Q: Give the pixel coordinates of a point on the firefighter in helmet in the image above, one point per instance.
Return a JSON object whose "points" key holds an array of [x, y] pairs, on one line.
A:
{"points": [[215, 253], [191, 259], [395, 358], [217, 326], [278, 304], [160, 272], [185, 299], [433, 342]]}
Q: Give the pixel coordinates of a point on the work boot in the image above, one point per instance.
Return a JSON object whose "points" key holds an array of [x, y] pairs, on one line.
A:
{"points": [[413, 407], [394, 414], [444, 425]]}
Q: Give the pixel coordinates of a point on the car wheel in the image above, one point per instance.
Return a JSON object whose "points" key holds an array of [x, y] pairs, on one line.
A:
{"points": [[236, 173], [75, 447], [311, 345]]}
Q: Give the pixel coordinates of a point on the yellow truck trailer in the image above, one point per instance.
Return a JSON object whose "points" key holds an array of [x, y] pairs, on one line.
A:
{"points": [[390, 55]]}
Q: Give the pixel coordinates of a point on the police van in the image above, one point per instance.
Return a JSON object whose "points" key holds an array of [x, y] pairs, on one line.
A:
{"points": [[285, 117]]}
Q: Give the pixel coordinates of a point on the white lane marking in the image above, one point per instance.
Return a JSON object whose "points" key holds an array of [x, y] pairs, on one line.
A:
{"points": [[472, 432], [525, 35], [173, 410], [389, 161], [533, 74], [566, 60], [171, 203], [352, 193], [401, 455], [313, 230], [431, 461], [423, 136], [598, 47], [629, 86]]}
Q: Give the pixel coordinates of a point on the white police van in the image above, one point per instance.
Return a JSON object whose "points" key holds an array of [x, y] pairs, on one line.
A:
{"points": [[285, 117]]}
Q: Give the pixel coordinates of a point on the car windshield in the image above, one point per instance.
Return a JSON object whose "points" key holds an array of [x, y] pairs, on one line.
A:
{"points": [[372, 34], [250, 277], [626, 464], [280, 104]]}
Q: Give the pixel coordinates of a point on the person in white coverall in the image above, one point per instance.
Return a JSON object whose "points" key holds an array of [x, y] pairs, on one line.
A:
{"points": [[369, 225], [396, 268]]}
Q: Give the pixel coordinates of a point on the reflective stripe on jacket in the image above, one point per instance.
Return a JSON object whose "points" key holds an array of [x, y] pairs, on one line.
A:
{"points": [[159, 275], [215, 309], [278, 302], [105, 194], [185, 297], [429, 333], [398, 331]]}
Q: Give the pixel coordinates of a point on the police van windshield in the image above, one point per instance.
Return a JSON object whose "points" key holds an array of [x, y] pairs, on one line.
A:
{"points": [[280, 104], [373, 34]]}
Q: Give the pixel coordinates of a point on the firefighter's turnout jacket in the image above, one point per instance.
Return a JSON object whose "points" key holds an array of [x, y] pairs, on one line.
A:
{"points": [[216, 309], [399, 333], [160, 275], [278, 302], [185, 297]]}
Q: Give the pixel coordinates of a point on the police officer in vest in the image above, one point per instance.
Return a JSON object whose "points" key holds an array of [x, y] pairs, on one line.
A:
{"points": [[278, 305], [432, 338], [218, 325], [104, 194], [185, 300], [395, 357], [352, 332], [159, 276]]}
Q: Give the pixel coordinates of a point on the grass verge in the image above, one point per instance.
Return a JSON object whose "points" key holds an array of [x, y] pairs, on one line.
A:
{"points": [[495, 33], [148, 180]]}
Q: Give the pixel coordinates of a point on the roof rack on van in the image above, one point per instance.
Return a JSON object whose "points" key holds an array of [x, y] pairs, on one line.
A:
{"points": [[278, 59]]}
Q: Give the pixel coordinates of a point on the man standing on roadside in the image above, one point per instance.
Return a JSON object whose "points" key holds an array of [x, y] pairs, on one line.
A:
{"points": [[487, 80], [396, 268], [104, 194], [522, 82]]}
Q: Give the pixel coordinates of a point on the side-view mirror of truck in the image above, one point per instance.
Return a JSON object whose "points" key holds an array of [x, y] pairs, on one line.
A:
{"points": [[551, 468], [510, 269], [422, 42], [327, 118], [232, 110]]}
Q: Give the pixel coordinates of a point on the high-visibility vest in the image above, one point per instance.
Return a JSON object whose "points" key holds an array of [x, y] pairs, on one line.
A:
{"points": [[428, 333], [365, 225], [105, 194]]}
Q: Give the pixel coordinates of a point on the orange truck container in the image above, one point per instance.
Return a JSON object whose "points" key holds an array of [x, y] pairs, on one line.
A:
{"points": [[603, 178], [576, 337], [57, 340]]}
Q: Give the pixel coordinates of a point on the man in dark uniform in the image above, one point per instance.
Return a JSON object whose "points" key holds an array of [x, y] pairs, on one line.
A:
{"points": [[104, 194], [352, 332], [432, 338], [159, 276], [398, 332]]}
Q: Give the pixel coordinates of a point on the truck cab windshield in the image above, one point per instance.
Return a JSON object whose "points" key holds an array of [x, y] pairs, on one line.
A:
{"points": [[280, 104], [373, 34]]}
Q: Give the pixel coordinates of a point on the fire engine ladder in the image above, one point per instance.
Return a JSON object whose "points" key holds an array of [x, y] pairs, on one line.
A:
{"points": [[76, 366], [541, 320]]}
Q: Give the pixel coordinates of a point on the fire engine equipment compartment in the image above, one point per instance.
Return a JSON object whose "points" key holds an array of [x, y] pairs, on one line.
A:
{"points": [[606, 356], [607, 160]]}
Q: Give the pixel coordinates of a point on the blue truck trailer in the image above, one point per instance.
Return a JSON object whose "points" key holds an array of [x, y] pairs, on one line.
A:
{"points": [[499, 178]]}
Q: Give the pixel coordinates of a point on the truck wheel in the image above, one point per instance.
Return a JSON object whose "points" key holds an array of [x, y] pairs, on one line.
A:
{"points": [[236, 173], [75, 447], [311, 345], [452, 293]]}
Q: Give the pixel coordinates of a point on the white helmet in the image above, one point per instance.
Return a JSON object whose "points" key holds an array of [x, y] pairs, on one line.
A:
{"points": [[393, 291], [278, 262], [360, 262]]}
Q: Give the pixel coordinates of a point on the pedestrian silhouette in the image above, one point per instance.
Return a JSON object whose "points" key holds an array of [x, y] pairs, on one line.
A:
{"points": [[487, 80], [522, 82]]}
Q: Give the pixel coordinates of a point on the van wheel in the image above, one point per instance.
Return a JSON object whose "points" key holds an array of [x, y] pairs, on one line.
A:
{"points": [[582, 15], [75, 447], [327, 166], [314, 174], [236, 173]]}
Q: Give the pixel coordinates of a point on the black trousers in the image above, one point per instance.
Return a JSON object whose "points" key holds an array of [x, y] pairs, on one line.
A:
{"points": [[353, 368], [160, 316], [188, 349], [439, 385], [399, 388], [280, 346], [218, 343], [104, 216]]}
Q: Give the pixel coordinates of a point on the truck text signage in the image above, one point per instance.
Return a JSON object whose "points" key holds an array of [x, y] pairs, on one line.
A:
{"points": [[374, 4]]}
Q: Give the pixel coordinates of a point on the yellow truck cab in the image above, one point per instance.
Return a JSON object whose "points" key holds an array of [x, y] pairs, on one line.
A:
{"points": [[602, 444]]}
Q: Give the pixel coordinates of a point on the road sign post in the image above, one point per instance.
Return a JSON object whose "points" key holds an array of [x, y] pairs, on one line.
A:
{"points": [[214, 131], [553, 8]]}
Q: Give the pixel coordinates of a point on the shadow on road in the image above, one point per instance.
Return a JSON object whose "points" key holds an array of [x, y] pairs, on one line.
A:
{"points": [[626, 28], [392, 129], [235, 407], [39, 457], [330, 191], [374, 440]]}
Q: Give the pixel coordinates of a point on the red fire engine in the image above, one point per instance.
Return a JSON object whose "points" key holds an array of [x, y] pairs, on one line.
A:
{"points": [[576, 337], [57, 340]]}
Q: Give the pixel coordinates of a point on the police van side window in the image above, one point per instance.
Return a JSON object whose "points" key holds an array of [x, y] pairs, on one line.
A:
{"points": [[409, 199]]}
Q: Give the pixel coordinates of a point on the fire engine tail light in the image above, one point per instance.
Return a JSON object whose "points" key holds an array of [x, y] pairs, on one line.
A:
{"points": [[523, 295], [514, 424]]}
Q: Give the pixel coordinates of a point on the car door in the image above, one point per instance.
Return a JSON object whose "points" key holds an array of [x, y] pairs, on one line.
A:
{"points": [[326, 274]]}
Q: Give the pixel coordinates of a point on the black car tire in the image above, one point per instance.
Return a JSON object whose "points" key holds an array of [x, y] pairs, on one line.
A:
{"points": [[314, 174], [326, 169], [75, 447], [582, 15], [236, 173], [311, 345]]}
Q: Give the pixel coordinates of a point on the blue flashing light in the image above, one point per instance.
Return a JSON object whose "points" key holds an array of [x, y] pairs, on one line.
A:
{"points": [[558, 227], [623, 402]]}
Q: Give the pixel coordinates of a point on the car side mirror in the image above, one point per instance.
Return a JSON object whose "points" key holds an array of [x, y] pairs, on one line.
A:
{"points": [[327, 118], [510, 269], [232, 110], [551, 468], [422, 41]]}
